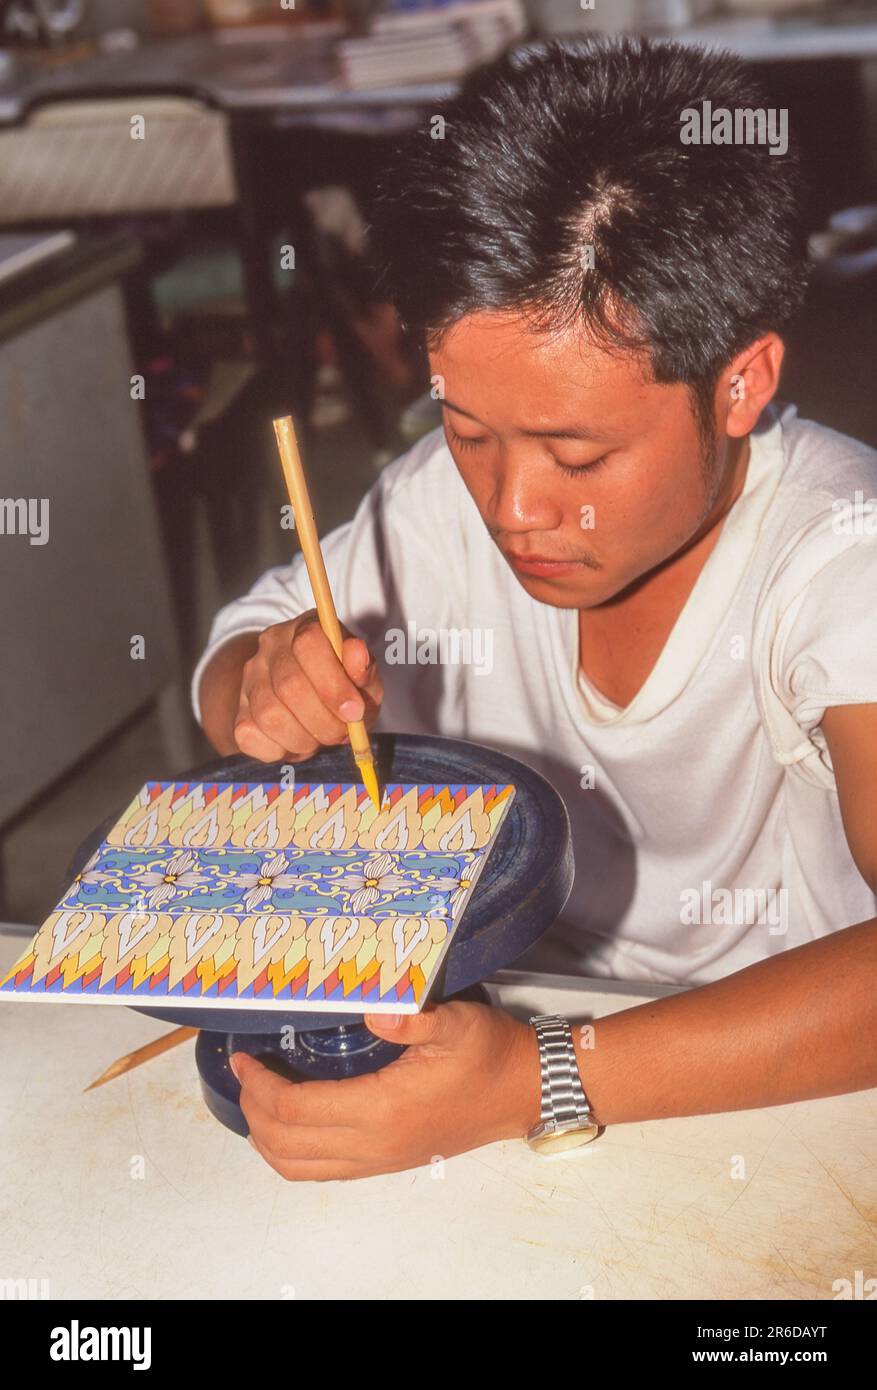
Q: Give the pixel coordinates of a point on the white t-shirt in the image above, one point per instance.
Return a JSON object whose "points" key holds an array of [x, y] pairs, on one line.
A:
{"points": [[705, 819]]}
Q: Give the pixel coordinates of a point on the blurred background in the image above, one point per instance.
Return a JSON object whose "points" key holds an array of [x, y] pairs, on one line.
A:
{"points": [[184, 189]]}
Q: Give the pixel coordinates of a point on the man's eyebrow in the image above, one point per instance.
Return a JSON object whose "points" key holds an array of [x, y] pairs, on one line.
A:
{"points": [[580, 433], [560, 434]]}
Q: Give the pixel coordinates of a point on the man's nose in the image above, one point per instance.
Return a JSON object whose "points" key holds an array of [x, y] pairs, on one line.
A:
{"points": [[522, 498]]}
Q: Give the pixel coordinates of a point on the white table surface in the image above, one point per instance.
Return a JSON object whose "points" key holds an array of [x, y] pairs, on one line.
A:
{"points": [[648, 1211]]}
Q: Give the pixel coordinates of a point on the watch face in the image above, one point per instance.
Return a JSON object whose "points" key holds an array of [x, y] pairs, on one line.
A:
{"points": [[556, 1142]]}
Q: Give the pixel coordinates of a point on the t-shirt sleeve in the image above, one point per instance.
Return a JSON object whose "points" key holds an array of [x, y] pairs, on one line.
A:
{"points": [[822, 636], [830, 654], [392, 560]]}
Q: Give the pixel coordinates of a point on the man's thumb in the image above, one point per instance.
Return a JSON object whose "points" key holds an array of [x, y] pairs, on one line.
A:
{"points": [[408, 1029]]}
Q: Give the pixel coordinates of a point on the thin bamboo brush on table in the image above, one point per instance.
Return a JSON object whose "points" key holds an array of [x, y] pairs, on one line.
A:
{"points": [[143, 1054], [306, 527]]}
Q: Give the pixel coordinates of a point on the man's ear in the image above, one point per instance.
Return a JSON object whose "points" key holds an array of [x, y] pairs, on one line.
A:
{"points": [[749, 383]]}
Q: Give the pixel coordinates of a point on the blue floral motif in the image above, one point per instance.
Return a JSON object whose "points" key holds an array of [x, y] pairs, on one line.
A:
{"points": [[244, 881]]}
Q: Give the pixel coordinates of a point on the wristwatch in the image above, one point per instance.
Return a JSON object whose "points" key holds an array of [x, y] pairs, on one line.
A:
{"points": [[566, 1120]]}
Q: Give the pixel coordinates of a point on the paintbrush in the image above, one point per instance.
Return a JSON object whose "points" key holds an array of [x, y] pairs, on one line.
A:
{"points": [[303, 515], [143, 1054]]}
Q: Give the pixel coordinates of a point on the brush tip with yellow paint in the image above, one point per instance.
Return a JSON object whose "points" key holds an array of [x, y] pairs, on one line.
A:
{"points": [[366, 764]]}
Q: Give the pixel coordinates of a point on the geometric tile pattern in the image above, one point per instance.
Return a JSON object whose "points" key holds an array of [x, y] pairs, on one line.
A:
{"points": [[253, 894]]}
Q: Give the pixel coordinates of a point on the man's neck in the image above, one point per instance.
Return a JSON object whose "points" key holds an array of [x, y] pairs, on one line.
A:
{"points": [[620, 641]]}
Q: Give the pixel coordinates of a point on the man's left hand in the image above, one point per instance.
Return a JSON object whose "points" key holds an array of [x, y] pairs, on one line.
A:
{"points": [[469, 1076]]}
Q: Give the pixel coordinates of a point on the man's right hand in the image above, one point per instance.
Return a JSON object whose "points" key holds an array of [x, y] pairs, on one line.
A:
{"points": [[293, 695]]}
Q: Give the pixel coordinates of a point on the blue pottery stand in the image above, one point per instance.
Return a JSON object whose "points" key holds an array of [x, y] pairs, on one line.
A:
{"points": [[520, 893]]}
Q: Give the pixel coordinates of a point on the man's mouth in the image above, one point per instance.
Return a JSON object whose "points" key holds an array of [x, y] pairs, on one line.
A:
{"points": [[543, 566]]}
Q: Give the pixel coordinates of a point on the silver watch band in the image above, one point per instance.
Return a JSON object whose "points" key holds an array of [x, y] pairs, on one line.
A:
{"points": [[563, 1096]]}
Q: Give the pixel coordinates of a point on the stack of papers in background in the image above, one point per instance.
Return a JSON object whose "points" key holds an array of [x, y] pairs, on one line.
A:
{"points": [[430, 45]]}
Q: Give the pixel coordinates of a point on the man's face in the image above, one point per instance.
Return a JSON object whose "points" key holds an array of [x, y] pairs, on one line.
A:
{"points": [[586, 475]]}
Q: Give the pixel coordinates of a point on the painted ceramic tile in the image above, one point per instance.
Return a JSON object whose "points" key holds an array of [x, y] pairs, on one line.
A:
{"points": [[255, 895]]}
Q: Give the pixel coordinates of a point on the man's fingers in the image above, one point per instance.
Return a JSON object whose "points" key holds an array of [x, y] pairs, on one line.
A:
{"points": [[251, 740], [315, 1103], [296, 696], [265, 721], [323, 1143], [312, 650], [365, 672], [308, 1170], [268, 725], [294, 690], [357, 660], [284, 708], [254, 743]]}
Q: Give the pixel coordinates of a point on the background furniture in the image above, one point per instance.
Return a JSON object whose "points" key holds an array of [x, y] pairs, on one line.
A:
{"points": [[70, 433]]}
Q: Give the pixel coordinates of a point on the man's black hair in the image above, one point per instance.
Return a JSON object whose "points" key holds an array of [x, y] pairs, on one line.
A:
{"points": [[698, 248]]}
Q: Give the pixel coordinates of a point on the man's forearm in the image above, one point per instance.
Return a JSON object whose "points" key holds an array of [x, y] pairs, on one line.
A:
{"points": [[219, 690], [800, 1025]]}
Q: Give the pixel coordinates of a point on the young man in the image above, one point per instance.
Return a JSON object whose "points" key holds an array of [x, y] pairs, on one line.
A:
{"points": [[670, 588]]}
